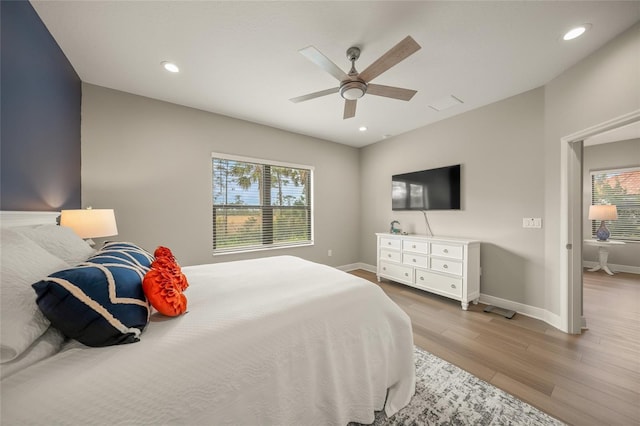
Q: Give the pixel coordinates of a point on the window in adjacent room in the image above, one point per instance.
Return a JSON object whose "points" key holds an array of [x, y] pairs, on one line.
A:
{"points": [[619, 187], [260, 204]]}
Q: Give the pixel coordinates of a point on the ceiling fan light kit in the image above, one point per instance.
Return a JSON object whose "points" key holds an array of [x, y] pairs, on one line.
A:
{"points": [[354, 85], [352, 90]]}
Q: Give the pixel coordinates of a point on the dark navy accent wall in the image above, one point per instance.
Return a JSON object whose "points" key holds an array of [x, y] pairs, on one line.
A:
{"points": [[40, 116]]}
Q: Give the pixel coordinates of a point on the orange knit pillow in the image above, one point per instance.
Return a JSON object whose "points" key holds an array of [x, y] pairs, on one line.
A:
{"points": [[164, 283]]}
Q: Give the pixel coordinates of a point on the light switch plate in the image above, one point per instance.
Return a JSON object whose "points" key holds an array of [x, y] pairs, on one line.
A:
{"points": [[532, 222]]}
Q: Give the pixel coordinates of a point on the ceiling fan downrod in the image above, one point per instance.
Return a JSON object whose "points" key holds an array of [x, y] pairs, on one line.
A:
{"points": [[355, 88]]}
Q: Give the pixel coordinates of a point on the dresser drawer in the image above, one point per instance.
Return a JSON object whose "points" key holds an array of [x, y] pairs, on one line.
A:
{"points": [[392, 243], [439, 283], [447, 266], [390, 255], [415, 246], [446, 250], [396, 272], [414, 260]]}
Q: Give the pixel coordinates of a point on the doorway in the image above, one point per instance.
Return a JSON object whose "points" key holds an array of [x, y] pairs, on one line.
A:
{"points": [[571, 160]]}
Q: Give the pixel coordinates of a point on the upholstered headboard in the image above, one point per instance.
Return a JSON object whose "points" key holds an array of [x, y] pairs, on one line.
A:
{"points": [[21, 218]]}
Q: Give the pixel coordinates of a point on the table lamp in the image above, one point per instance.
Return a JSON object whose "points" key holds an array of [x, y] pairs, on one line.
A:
{"points": [[602, 213], [90, 223]]}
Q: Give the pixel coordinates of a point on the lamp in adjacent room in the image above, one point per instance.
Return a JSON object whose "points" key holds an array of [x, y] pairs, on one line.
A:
{"points": [[90, 223], [602, 213]]}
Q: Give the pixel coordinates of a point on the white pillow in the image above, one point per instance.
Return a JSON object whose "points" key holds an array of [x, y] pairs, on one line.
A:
{"points": [[23, 263], [60, 241], [46, 345]]}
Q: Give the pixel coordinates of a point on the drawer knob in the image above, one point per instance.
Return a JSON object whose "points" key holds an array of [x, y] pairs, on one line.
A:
{"points": [[445, 266], [421, 278], [384, 268], [406, 274], [389, 243], [389, 255], [414, 260], [413, 246], [453, 286], [445, 251]]}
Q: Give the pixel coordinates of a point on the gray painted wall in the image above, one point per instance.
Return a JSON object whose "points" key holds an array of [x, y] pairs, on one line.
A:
{"points": [[616, 155], [151, 161], [501, 149], [603, 86], [514, 143]]}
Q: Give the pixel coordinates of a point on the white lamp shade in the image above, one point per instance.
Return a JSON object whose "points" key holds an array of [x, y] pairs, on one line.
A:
{"points": [[603, 212], [90, 223]]}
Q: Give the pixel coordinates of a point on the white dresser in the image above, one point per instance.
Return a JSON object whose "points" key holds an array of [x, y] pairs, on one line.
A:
{"points": [[449, 267]]}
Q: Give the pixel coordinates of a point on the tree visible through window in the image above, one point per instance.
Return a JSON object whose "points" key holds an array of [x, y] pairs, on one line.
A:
{"points": [[620, 187], [260, 204]]}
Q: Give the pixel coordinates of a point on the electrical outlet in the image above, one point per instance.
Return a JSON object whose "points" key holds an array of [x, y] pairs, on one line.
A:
{"points": [[330, 253]]}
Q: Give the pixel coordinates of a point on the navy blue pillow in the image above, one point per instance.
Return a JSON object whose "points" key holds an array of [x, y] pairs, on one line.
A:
{"points": [[99, 302], [126, 251]]}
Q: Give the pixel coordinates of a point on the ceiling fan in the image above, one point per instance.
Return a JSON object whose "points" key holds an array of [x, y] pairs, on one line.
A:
{"points": [[355, 85]]}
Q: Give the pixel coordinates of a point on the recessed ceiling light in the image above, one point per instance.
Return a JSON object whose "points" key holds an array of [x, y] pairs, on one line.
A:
{"points": [[170, 66], [363, 128], [576, 32]]}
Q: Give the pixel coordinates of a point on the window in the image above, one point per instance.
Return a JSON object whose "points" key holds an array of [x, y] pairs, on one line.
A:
{"points": [[259, 204], [620, 187]]}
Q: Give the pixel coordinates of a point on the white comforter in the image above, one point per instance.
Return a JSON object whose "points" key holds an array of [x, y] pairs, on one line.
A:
{"points": [[275, 341]]}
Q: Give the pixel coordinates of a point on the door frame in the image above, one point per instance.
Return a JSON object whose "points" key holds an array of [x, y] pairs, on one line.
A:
{"points": [[571, 219]]}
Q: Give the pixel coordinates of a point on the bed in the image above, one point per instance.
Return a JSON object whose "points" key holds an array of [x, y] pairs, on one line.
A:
{"points": [[277, 340]]}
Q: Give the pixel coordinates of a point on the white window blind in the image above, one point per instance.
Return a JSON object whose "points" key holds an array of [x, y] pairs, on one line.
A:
{"points": [[619, 187], [259, 204]]}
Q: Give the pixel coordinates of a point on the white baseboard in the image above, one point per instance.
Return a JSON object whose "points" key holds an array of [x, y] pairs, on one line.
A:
{"points": [[613, 267], [359, 265], [527, 310], [530, 311]]}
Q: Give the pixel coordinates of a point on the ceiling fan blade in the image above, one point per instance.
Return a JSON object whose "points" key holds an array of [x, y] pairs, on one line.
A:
{"points": [[390, 92], [396, 54], [349, 108], [315, 56], [314, 95]]}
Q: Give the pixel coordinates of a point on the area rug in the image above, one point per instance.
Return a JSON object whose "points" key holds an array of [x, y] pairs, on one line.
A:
{"points": [[448, 395]]}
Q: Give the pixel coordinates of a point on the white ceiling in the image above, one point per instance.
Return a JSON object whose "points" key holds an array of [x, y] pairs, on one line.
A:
{"points": [[241, 59]]}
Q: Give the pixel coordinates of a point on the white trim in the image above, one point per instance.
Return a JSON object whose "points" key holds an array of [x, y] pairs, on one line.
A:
{"points": [[23, 218], [256, 160], [570, 315], [614, 267], [252, 249], [530, 311], [527, 310], [359, 265]]}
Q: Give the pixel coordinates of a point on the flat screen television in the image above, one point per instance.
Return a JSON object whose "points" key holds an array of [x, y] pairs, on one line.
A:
{"points": [[433, 189]]}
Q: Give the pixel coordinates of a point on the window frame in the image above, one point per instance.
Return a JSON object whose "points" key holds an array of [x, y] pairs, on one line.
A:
{"points": [[596, 223], [271, 163]]}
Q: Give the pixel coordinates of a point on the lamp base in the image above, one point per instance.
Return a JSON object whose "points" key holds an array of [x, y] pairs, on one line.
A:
{"points": [[603, 233]]}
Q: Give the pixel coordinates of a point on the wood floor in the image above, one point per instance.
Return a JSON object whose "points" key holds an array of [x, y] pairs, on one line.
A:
{"points": [[588, 379]]}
